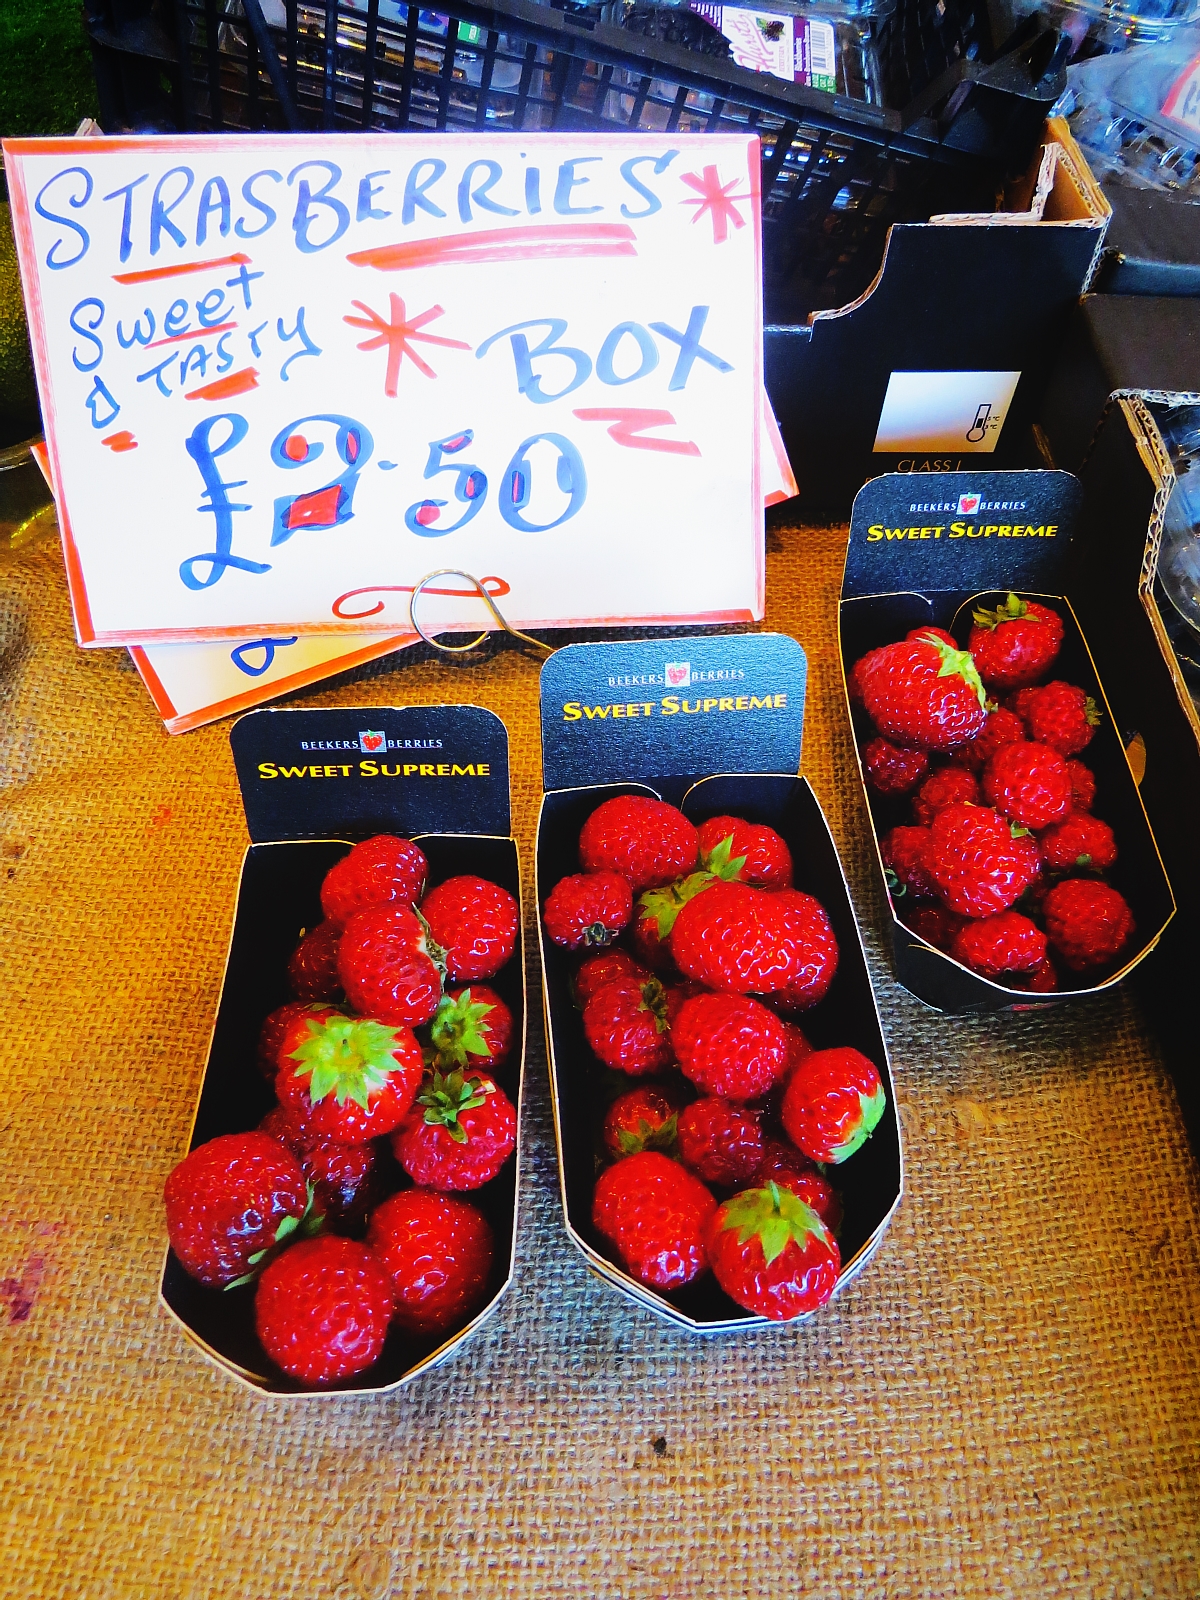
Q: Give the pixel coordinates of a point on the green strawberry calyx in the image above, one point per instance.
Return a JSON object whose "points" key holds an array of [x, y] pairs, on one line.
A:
{"points": [[447, 1095], [290, 1231], [722, 863], [957, 663], [1016, 831], [1013, 610], [654, 1000], [1092, 712], [776, 1217], [633, 1141], [458, 1030], [895, 887], [664, 905], [347, 1057], [871, 1109]]}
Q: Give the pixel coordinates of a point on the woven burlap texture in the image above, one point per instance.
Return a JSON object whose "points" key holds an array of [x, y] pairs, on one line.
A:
{"points": [[1004, 1404]]}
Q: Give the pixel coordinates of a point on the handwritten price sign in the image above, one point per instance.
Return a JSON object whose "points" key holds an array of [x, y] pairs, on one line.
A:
{"points": [[284, 378]]}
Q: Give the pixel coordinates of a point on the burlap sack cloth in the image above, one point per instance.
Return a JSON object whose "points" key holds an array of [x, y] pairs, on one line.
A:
{"points": [[1004, 1404]]}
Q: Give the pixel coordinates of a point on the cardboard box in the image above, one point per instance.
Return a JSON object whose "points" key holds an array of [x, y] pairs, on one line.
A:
{"points": [[1152, 246], [930, 550], [713, 725], [1126, 482], [975, 301], [442, 768]]}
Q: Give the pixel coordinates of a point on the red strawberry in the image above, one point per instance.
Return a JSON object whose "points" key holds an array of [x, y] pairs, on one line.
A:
{"points": [[833, 1104], [1089, 923], [643, 1119], [925, 692], [857, 675], [1043, 979], [783, 1164], [460, 1132], [271, 1034], [313, 965], [720, 1142], [1029, 783], [903, 853], [322, 1310], [1007, 942], [797, 1047], [348, 1078], [381, 871], [772, 1253], [471, 1028], [437, 1250], [657, 910], [605, 968], [926, 630], [342, 1175], [627, 1023], [730, 1045], [654, 1211], [388, 967], [1002, 727], [765, 860], [1014, 644], [475, 922], [1060, 715], [943, 788], [1083, 786], [646, 841], [977, 862], [743, 941], [588, 909], [230, 1201], [935, 924], [892, 769], [1078, 843]]}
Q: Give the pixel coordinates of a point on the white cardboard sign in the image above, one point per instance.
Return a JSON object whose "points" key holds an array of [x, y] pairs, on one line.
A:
{"points": [[959, 411], [285, 377]]}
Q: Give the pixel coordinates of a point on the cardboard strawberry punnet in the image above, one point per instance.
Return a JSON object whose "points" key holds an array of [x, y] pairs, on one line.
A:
{"points": [[310, 790], [743, 908]]}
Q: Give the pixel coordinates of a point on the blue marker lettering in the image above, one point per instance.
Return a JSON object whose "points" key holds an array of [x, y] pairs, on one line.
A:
{"points": [[533, 191], [528, 383], [214, 201], [75, 201], [604, 361], [200, 447], [212, 310], [92, 402], [175, 320], [298, 332], [568, 181], [415, 187], [690, 348], [268, 648], [87, 332], [365, 210], [160, 214], [480, 195], [304, 218], [253, 336], [243, 280], [127, 215], [157, 374], [629, 173], [137, 336], [269, 214], [224, 357], [199, 355]]}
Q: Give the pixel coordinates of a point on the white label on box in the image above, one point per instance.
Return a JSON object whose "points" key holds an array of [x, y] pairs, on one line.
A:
{"points": [[278, 372], [959, 411]]}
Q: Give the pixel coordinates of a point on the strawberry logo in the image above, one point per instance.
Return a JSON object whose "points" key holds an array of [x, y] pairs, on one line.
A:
{"points": [[370, 742], [678, 674], [968, 504]]}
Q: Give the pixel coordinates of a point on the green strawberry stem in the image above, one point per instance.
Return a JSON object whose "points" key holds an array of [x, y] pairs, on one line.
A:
{"points": [[432, 949], [718, 863], [348, 1057], [776, 1217], [957, 662], [654, 1000], [458, 1030], [447, 1095], [646, 1137], [1012, 610], [871, 1109], [290, 1231], [664, 905]]}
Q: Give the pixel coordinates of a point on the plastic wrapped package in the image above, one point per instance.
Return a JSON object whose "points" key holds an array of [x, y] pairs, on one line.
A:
{"points": [[1177, 579], [1137, 114]]}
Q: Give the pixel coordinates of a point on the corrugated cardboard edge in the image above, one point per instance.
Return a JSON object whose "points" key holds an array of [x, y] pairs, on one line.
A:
{"points": [[599, 1265], [264, 1387]]}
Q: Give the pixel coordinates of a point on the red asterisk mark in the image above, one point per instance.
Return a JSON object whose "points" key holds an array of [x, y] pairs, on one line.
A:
{"points": [[717, 200], [397, 335]]}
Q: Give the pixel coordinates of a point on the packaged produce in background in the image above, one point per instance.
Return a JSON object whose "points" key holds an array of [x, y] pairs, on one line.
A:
{"points": [[1136, 114], [1177, 579]]}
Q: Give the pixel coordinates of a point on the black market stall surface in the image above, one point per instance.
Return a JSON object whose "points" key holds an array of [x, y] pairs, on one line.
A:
{"points": [[693, 713], [931, 549], [351, 773]]}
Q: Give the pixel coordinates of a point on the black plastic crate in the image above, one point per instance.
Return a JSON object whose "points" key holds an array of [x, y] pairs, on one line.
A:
{"points": [[837, 172]]}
